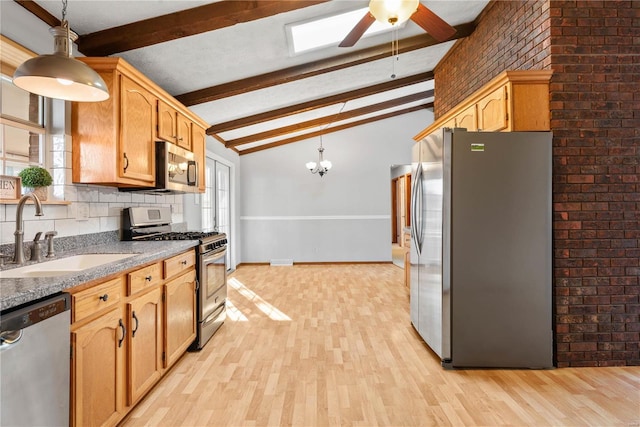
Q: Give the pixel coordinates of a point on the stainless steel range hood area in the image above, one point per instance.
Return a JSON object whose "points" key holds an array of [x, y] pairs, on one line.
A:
{"points": [[176, 171]]}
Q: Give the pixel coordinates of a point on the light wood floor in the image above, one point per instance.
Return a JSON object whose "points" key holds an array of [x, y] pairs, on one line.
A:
{"points": [[333, 345]]}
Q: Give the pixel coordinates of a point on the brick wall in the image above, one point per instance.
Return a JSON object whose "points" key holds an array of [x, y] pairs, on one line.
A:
{"points": [[511, 35], [594, 51]]}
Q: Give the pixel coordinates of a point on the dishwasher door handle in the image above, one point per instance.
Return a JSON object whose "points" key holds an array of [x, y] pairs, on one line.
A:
{"points": [[10, 337]]}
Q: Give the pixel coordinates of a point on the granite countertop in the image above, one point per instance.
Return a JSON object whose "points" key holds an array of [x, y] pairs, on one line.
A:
{"points": [[14, 292]]}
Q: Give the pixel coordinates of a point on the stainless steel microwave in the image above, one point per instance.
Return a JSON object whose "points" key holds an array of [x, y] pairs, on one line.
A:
{"points": [[176, 168], [176, 171]]}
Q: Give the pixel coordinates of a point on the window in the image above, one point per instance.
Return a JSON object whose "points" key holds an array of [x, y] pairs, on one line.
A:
{"points": [[22, 132], [216, 201], [330, 30]]}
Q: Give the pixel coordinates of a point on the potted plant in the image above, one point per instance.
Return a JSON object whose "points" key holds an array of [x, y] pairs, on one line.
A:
{"points": [[36, 179]]}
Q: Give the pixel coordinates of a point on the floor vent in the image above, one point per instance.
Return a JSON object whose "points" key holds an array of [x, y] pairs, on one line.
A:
{"points": [[282, 262]]}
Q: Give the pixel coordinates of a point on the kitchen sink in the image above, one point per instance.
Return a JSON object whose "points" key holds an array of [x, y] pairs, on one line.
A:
{"points": [[62, 266]]}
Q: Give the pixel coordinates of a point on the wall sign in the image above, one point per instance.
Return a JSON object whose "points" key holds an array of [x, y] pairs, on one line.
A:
{"points": [[9, 187]]}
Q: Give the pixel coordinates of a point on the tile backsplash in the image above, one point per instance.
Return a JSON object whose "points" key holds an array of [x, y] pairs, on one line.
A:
{"points": [[91, 208]]}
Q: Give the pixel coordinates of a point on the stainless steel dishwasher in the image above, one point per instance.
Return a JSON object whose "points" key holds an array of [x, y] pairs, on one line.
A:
{"points": [[34, 364]]}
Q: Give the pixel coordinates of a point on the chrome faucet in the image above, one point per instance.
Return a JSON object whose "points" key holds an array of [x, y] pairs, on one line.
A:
{"points": [[18, 251]]}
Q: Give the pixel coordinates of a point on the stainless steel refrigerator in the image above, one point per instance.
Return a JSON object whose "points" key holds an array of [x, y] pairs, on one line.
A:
{"points": [[481, 250]]}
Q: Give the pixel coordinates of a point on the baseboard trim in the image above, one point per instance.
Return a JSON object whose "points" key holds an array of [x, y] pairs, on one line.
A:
{"points": [[242, 264]]}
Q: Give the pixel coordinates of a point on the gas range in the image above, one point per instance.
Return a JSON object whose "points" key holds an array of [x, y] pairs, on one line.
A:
{"points": [[146, 223], [143, 223]]}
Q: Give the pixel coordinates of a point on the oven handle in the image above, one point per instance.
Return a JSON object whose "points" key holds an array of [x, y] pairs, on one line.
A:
{"points": [[214, 253]]}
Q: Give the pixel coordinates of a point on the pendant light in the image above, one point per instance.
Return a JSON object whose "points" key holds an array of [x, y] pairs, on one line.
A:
{"points": [[59, 75]]}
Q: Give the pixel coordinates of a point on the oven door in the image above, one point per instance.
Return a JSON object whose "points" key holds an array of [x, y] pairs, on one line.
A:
{"points": [[213, 282]]}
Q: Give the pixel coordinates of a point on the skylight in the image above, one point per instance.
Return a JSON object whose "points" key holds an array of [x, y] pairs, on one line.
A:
{"points": [[328, 31]]}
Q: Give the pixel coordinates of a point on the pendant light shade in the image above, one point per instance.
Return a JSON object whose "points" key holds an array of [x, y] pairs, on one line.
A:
{"points": [[59, 75]]}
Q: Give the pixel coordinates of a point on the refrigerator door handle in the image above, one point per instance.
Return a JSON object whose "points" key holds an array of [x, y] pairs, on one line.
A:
{"points": [[415, 214]]}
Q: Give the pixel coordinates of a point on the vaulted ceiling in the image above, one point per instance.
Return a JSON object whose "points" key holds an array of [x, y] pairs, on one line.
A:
{"points": [[230, 62]]}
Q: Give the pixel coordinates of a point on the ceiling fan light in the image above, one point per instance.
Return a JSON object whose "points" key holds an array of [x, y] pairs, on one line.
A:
{"points": [[392, 12], [59, 75]]}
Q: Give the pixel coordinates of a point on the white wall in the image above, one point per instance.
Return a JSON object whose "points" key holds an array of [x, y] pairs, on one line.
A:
{"points": [[289, 213]]}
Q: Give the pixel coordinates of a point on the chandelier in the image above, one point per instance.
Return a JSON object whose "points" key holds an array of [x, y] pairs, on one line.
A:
{"points": [[321, 166]]}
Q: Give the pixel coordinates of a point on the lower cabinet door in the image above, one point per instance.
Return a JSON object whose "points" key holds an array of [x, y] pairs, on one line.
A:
{"points": [[180, 315], [144, 314], [97, 371]]}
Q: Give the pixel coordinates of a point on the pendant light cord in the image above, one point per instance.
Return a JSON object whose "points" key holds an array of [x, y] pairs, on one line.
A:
{"points": [[64, 10], [395, 51], [344, 104]]}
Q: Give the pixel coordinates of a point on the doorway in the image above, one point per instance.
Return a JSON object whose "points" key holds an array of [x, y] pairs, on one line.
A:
{"points": [[400, 212]]}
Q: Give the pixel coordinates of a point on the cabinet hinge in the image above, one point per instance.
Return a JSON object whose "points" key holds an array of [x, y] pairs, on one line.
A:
{"points": [[506, 94], [506, 117]]}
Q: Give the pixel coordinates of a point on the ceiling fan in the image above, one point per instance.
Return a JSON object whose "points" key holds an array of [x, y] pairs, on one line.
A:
{"points": [[396, 12]]}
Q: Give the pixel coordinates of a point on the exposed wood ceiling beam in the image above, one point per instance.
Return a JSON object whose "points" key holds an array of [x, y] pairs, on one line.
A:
{"points": [[335, 129], [40, 12], [330, 119], [315, 68], [183, 23], [319, 103]]}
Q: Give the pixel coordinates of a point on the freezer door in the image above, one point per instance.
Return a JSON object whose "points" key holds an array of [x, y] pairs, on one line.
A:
{"points": [[501, 250]]}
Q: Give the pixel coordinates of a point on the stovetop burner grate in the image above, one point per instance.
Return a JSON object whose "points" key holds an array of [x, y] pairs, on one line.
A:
{"points": [[187, 235]]}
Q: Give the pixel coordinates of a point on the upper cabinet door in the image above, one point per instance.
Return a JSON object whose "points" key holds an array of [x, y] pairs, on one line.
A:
{"points": [[199, 143], [492, 111], [184, 131], [138, 124], [167, 127]]}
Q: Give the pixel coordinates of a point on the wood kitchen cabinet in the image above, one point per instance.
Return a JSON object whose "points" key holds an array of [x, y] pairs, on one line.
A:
{"points": [[98, 335], [468, 119], [137, 120], [144, 362], [180, 316], [114, 140], [97, 371], [173, 126], [199, 140], [179, 305], [513, 101], [122, 329], [492, 111]]}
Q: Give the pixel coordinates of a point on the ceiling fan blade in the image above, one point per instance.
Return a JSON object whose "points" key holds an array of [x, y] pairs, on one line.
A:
{"points": [[432, 23], [361, 27]]}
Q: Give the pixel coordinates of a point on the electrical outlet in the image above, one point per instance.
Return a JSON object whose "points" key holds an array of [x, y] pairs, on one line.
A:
{"points": [[82, 214]]}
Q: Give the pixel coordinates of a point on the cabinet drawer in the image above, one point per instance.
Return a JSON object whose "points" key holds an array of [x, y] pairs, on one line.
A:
{"points": [[144, 278], [179, 263], [95, 299]]}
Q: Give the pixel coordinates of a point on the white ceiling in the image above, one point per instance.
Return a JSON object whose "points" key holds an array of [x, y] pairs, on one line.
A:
{"points": [[260, 46]]}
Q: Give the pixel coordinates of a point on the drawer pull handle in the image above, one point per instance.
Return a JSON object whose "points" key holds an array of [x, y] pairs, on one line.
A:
{"points": [[148, 278], [184, 262], [133, 332], [124, 333], [104, 297]]}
